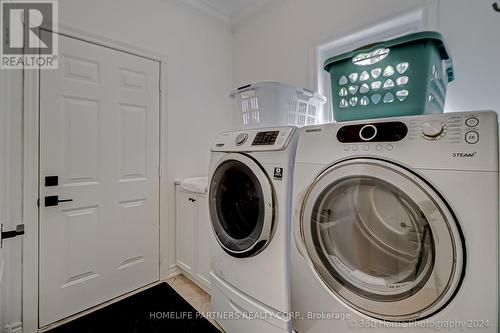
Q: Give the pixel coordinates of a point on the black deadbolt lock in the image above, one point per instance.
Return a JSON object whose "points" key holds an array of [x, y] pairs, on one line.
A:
{"points": [[51, 180]]}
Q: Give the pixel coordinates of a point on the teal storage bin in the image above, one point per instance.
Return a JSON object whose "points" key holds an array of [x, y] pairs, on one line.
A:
{"points": [[400, 77]]}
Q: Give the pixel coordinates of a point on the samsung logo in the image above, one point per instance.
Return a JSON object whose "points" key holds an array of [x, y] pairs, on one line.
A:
{"points": [[313, 130], [465, 155]]}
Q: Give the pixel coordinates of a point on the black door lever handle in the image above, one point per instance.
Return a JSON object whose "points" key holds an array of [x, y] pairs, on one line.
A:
{"points": [[53, 200], [11, 233]]}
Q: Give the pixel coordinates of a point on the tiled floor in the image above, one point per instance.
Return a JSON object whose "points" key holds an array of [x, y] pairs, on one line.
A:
{"points": [[196, 296]]}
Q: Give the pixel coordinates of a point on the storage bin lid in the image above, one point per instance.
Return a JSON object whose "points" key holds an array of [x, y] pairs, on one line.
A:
{"points": [[433, 36]]}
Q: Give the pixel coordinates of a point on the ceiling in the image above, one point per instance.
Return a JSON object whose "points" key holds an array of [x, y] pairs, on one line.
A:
{"points": [[230, 7]]}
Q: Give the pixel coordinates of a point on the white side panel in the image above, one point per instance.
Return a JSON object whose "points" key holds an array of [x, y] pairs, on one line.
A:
{"points": [[204, 232], [186, 231]]}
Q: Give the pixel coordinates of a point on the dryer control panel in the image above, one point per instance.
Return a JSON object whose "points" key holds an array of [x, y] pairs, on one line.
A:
{"points": [[451, 141], [267, 139], [449, 128]]}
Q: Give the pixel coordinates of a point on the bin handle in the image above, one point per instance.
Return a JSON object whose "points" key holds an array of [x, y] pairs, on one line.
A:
{"points": [[305, 94], [366, 48], [246, 91], [244, 87], [449, 69]]}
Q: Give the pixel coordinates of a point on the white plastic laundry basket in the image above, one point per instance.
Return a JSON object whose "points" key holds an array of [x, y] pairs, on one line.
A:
{"points": [[267, 104]]}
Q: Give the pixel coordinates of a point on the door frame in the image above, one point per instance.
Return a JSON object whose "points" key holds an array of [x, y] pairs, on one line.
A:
{"points": [[31, 88], [11, 99]]}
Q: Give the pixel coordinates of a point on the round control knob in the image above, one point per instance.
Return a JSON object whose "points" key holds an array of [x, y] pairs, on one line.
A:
{"points": [[368, 132], [241, 139], [433, 129]]}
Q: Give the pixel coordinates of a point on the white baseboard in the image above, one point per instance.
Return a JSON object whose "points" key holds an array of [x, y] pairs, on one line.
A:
{"points": [[14, 328], [202, 283], [173, 271]]}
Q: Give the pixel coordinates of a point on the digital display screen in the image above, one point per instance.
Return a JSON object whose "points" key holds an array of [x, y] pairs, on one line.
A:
{"points": [[265, 138], [377, 132]]}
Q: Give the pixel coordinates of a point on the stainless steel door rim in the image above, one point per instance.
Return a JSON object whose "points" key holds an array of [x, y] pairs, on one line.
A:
{"points": [[249, 242]]}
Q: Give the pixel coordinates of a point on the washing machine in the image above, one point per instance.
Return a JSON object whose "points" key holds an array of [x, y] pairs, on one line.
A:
{"points": [[395, 225], [250, 208]]}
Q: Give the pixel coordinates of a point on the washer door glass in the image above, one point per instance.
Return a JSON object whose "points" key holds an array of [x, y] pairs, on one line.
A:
{"points": [[372, 233], [241, 206]]}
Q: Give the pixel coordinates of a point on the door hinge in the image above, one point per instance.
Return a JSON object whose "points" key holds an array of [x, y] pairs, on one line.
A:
{"points": [[11, 233], [7, 36]]}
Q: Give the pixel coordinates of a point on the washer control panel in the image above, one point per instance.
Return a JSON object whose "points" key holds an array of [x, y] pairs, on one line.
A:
{"points": [[265, 138], [254, 139]]}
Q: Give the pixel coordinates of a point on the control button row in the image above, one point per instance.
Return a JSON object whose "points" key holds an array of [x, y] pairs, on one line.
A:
{"points": [[379, 147]]}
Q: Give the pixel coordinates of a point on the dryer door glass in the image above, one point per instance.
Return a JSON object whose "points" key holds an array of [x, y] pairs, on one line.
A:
{"points": [[382, 240], [238, 207], [375, 238]]}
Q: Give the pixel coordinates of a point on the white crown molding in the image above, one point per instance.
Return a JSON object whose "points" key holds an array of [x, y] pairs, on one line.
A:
{"points": [[237, 19], [246, 14], [206, 8]]}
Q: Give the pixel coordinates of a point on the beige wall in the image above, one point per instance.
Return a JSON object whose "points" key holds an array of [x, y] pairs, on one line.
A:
{"points": [[471, 29]]}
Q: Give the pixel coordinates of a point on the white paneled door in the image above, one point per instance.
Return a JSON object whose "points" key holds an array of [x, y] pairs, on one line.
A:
{"points": [[99, 180]]}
